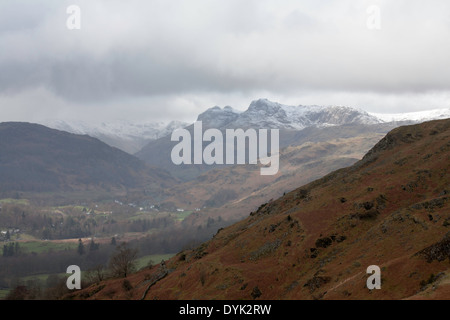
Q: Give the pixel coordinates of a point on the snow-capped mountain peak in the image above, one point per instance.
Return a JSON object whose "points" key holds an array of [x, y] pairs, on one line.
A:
{"points": [[217, 117], [263, 113]]}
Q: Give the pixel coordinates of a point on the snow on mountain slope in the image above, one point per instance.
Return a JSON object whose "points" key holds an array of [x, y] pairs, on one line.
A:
{"points": [[128, 136], [263, 113], [419, 116], [218, 118], [123, 129]]}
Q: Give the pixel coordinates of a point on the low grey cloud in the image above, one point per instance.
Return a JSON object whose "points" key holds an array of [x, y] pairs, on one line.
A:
{"points": [[163, 58]]}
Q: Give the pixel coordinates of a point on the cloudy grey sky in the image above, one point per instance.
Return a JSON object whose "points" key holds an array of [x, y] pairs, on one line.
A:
{"points": [[156, 60]]}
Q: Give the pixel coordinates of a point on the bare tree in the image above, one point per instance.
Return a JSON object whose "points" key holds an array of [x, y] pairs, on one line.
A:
{"points": [[122, 263], [96, 274]]}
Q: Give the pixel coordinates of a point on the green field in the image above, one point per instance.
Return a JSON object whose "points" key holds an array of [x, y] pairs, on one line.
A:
{"points": [[180, 216], [79, 208], [15, 201], [46, 246], [147, 215]]}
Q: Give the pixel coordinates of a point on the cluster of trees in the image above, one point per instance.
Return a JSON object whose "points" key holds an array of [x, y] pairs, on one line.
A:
{"points": [[92, 247], [11, 249], [178, 238], [44, 225]]}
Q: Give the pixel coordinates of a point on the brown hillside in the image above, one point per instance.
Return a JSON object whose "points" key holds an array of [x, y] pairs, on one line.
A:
{"points": [[390, 209], [233, 192]]}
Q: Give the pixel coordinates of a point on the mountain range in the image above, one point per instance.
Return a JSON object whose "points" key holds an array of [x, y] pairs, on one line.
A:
{"points": [[262, 113], [314, 140], [296, 124]]}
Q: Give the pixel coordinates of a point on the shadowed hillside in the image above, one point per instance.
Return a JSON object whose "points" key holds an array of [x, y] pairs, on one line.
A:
{"points": [[35, 158]]}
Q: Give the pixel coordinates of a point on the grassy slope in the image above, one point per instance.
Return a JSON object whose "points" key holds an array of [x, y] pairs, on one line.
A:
{"points": [[389, 206], [153, 259]]}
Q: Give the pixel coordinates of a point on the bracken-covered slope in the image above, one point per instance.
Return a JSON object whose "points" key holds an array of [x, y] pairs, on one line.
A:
{"points": [[391, 209]]}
